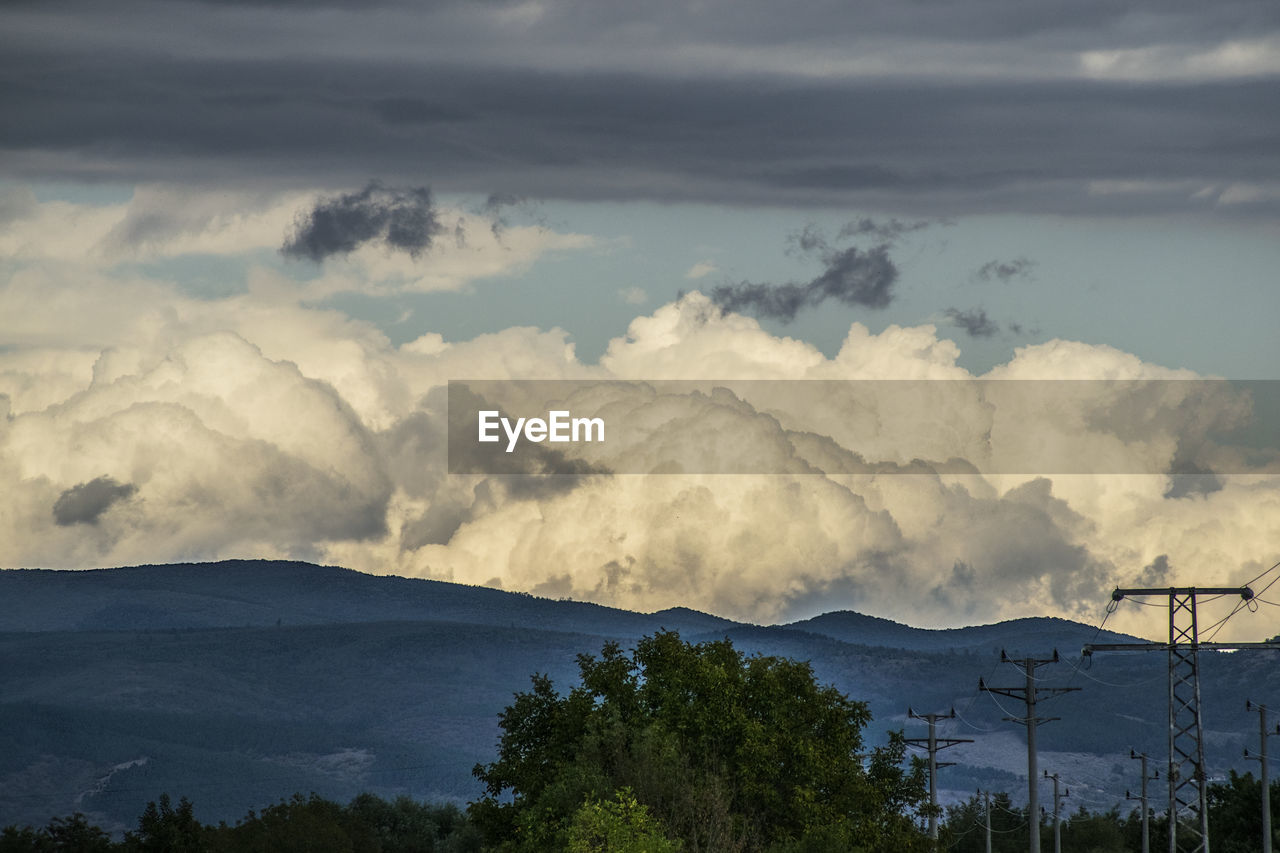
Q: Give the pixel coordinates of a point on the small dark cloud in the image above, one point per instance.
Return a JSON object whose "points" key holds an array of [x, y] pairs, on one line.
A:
{"points": [[1188, 479], [86, 502], [885, 231], [852, 276], [403, 219], [974, 322], [495, 207], [435, 527], [812, 239], [807, 240], [1155, 574], [1006, 271]]}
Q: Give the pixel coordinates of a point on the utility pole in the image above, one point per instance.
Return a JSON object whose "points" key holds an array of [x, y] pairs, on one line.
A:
{"points": [[986, 798], [1030, 695], [1146, 829], [1261, 758], [1188, 787], [933, 743], [1057, 807]]}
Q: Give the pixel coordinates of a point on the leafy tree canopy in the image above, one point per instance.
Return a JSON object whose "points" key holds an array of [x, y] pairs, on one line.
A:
{"points": [[727, 752]]}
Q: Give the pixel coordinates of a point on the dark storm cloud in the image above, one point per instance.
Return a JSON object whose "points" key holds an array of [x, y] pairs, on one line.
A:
{"points": [[974, 322], [86, 502], [852, 277], [753, 22], [403, 219], [883, 230], [813, 240], [495, 209], [1156, 573], [809, 239], [552, 102], [1006, 271], [1187, 479]]}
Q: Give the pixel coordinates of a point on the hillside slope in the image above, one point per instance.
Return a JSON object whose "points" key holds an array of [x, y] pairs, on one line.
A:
{"points": [[122, 684]]}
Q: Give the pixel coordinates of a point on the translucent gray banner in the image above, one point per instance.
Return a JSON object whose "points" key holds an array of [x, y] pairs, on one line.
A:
{"points": [[1183, 428]]}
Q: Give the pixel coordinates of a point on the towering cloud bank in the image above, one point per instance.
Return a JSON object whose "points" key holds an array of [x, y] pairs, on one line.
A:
{"points": [[250, 427]]}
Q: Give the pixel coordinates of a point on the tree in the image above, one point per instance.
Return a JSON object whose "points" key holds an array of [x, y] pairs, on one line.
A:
{"points": [[1094, 832], [297, 825], [164, 829], [621, 825], [964, 830], [64, 835], [728, 753], [1235, 814]]}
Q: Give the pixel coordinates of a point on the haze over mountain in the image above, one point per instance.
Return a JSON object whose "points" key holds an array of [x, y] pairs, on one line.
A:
{"points": [[240, 682]]}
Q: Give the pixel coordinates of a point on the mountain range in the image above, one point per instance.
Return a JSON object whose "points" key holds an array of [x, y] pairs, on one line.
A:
{"points": [[240, 682]]}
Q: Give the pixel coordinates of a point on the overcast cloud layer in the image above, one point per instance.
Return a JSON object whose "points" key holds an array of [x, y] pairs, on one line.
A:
{"points": [[950, 107]]}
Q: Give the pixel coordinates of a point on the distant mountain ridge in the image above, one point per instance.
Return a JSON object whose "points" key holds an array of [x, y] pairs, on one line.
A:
{"points": [[249, 593], [238, 682], [1035, 634]]}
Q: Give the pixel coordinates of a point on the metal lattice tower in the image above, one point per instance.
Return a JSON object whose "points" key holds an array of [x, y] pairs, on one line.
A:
{"points": [[1188, 794], [1188, 806]]}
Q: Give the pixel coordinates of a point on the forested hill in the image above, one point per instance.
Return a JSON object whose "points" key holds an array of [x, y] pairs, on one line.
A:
{"points": [[1031, 635], [241, 682], [247, 593], [263, 593]]}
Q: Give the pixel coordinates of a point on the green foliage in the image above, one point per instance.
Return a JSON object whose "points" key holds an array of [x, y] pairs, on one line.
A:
{"points": [[298, 825], [728, 753], [964, 829], [368, 824], [64, 835], [621, 825], [1235, 814], [164, 829], [1094, 832]]}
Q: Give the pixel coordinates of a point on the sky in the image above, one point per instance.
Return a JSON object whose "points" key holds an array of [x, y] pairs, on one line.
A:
{"points": [[244, 246]]}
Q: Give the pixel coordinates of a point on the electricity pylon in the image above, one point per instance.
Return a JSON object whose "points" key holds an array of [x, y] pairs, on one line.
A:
{"points": [[1188, 805]]}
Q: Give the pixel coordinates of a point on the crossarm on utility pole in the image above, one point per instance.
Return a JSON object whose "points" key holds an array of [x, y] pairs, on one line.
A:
{"points": [[1090, 648]]}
